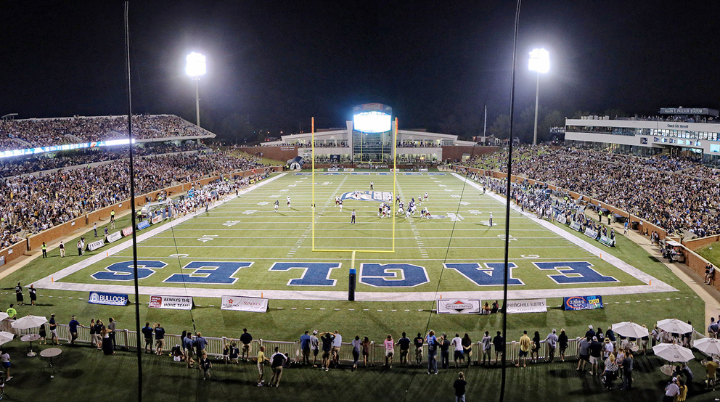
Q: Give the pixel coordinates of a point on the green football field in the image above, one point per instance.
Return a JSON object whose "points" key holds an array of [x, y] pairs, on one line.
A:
{"points": [[243, 247]]}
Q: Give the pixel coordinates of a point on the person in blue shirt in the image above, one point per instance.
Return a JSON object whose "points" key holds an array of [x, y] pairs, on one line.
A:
{"points": [[148, 334], [305, 346], [432, 352], [73, 326], [159, 339]]}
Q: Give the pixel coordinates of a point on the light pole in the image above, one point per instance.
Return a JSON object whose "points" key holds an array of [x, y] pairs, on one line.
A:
{"points": [[195, 68], [540, 63]]}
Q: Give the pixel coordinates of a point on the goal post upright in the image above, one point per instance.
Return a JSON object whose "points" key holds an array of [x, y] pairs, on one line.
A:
{"points": [[312, 209]]}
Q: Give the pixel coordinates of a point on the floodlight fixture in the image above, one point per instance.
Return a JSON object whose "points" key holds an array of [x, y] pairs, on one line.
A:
{"points": [[195, 65], [540, 63]]}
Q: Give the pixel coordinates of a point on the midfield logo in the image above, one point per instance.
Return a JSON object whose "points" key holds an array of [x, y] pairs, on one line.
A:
{"points": [[379, 196]]}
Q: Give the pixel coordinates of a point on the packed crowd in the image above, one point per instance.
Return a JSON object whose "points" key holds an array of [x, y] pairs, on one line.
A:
{"points": [[671, 193], [46, 132], [19, 165], [32, 204]]}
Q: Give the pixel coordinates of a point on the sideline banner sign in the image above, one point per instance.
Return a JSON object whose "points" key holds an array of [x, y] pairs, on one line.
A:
{"points": [[526, 306], [172, 302], [109, 299], [458, 306], [95, 245], [127, 231], [243, 303], [114, 237], [582, 303], [157, 219], [142, 225]]}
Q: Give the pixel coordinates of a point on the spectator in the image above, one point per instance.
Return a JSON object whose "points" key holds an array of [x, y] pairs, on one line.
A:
{"points": [[205, 364], [245, 338], [459, 386], [486, 343], [200, 344], [590, 332], [5, 360], [33, 295], [99, 326], [627, 367], [315, 346], [671, 391], [418, 342], [277, 361], [499, 344], [43, 335], [53, 329], [610, 372], [467, 348], [583, 353], [525, 345], [337, 344], [432, 352], [107, 345], [711, 373], [563, 343], [644, 342], [11, 312], [458, 348], [73, 328], [404, 343], [147, 332], [261, 359], [19, 295], [234, 355], [357, 347], [444, 344], [327, 339], [305, 347], [595, 352], [111, 331], [187, 343], [389, 350], [159, 339], [535, 350], [551, 342], [365, 350]]}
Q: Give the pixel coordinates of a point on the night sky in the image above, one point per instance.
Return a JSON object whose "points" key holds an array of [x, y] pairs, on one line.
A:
{"points": [[277, 63]]}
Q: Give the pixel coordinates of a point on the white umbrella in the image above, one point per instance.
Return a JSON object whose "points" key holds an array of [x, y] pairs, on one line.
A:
{"points": [[3, 316], [6, 337], [710, 346], [674, 326], [673, 352], [630, 330], [30, 321]]}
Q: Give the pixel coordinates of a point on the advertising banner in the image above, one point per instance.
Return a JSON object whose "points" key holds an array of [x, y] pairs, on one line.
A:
{"points": [[95, 245], [591, 233], [127, 231], [582, 303], [110, 299], [458, 306], [561, 219], [113, 237], [575, 226], [142, 225], [157, 218], [526, 306], [172, 302], [242, 303]]}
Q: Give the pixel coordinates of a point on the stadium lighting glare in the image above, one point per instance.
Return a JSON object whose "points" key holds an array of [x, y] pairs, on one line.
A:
{"points": [[195, 68], [540, 63], [195, 65], [372, 122]]}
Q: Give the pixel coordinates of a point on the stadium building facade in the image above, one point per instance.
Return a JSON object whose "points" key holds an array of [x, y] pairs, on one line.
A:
{"points": [[678, 131], [369, 139]]}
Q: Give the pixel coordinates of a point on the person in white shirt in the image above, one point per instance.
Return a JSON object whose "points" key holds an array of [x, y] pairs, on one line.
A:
{"points": [[671, 391], [486, 342], [457, 344], [337, 343], [551, 342]]}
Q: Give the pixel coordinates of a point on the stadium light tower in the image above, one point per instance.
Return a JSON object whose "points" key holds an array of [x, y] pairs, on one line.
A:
{"points": [[195, 68], [540, 63]]}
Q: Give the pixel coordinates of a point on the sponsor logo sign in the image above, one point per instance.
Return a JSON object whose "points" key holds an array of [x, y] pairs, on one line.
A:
{"points": [[95, 245], [156, 219], [127, 231], [526, 306], [458, 306], [142, 225], [171, 302], [561, 219], [110, 299], [379, 196], [242, 303], [113, 237], [582, 303]]}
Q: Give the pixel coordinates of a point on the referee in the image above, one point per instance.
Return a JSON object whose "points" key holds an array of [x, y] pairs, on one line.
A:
{"points": [[352, 217]]}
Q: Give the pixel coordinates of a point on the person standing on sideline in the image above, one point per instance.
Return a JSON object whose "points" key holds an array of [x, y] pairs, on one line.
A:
{"points": [[352, 217], [277, 361], [73, 327], [671, 390], [159, 339], [315, 346], [11, 312], [336, 345], [444, 351], [33, 295], [457, 345], [62, 249], [95, 229], [357, 347], [404, 343], [79, 247], [305, 347], [261, 359], [111, 332], [44, 250], [371, 186], [459, 386], [200, 344], [595, 352], [19, 295], [418, 342], [112, 219], [551, 342], [53, 330], [245, 338], [389, 350], [498, 343], [467, 348], [327, 338], [5, 360], [627, 368], [490, 220], [563, 342], [486, 342], [525, 345], [147, 332], [432, 352]]}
